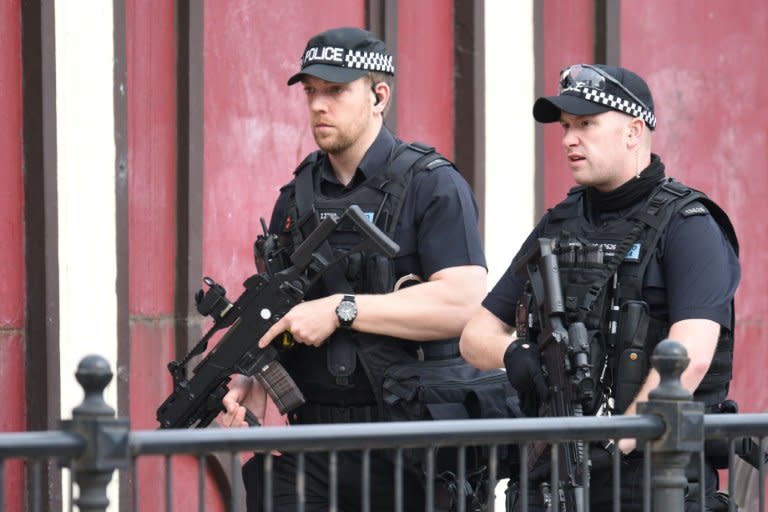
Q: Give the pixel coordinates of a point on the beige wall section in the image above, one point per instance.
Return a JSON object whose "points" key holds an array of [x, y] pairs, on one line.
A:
{"points": [[86, 195], [509, 138], [509, 130]]}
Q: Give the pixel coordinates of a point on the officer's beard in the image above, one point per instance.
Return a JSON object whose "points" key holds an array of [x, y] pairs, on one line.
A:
{"points": [[336, 145]]}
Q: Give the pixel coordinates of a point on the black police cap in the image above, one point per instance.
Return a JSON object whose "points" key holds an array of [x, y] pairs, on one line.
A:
{"points": [[342, 55]]}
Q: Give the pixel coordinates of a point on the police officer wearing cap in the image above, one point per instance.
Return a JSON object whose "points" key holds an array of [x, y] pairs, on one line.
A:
{"points": [[376, 309], [672, 271]]}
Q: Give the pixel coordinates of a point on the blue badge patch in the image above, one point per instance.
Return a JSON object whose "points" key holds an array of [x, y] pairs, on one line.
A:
{"points": [[369, 216], [633, 254]]}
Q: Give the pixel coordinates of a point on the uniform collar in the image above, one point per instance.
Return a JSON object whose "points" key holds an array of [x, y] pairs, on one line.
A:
{"points": [[375, 159]]}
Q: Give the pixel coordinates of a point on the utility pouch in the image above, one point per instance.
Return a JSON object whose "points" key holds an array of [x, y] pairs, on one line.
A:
{"points": [[578, 284], [446, 389], [379, 273], [632, 362]]}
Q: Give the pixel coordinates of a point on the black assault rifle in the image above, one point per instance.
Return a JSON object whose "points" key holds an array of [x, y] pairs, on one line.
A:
{"points": [[565, 365], [196, 401]]}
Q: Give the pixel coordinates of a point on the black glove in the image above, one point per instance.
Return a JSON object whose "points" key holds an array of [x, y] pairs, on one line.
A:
{"points": [[524, 373]]}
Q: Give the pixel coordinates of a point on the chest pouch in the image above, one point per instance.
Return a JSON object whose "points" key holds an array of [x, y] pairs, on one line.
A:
{"points": [[584, 295], [379, 274], [369, 273]]}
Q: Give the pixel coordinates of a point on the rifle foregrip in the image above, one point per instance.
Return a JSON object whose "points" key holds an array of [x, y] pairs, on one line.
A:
{"points": [[280, 386]]}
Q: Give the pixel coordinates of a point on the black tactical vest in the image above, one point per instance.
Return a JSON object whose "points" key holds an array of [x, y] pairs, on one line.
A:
{"points": [[381, 199], [612, 280]]}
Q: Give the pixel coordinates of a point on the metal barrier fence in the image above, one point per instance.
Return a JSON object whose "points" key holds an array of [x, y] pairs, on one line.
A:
{"points": [[670, 430]]}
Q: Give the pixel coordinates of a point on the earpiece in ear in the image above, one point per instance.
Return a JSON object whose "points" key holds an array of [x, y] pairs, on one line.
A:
{"points": [[375, 94], [378, 99]]}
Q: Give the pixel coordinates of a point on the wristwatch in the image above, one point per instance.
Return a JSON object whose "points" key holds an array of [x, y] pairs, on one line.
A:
{"points": [[346, 311]]}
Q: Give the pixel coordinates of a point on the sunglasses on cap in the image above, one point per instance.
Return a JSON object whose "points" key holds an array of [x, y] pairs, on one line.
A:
{"points": [[584, 75]]}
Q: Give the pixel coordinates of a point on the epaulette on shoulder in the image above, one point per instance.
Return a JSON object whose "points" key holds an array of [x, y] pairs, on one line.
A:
{"points": [[437, 163], [694, 208], [431, 159]]}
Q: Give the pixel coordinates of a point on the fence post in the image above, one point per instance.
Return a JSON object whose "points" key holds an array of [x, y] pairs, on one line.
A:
{"points": [[106, 437], [684, 432]]}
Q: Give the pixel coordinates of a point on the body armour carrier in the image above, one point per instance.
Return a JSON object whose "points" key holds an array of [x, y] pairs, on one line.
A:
{"points": [[612, 281], [381, 199]]}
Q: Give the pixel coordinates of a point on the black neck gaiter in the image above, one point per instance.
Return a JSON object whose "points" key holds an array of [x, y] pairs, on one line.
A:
{"points": [[630, 192]]}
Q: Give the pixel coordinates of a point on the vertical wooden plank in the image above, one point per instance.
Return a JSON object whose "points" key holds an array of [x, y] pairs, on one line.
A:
{"points": [[41, 323], [425, 73]]}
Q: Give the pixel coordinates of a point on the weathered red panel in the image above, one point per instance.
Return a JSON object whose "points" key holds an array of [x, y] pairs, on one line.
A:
{"points": [[12, 380], [151, 66], [424, 66], [184, 474], [14, 410], [11, 176], [12, 268], [151, 348], [567, 38], [256, 127], [701, 61]]}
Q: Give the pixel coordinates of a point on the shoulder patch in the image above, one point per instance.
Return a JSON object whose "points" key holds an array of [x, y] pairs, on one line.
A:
{"points": [[694, 209], [439, 162]]}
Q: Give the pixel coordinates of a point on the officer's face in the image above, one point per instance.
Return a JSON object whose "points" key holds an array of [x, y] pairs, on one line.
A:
{"points": [[596, 149], [339, 113]]}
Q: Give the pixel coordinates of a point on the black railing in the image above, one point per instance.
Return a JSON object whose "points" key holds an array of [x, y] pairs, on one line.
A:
{"points": [[670, 429]]}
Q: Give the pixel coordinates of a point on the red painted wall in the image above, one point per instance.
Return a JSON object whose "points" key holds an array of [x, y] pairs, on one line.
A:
{"points": [[12, 268], [256, 127], [705, 63], [567, 38], [424, 73], [152, 137]]}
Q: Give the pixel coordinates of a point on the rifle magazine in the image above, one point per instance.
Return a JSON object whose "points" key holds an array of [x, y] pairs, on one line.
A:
{"points": [[280, 387]]}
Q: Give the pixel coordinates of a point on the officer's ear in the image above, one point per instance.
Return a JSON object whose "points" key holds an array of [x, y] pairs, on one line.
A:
{"points": [[380, 91], [634, 132]]}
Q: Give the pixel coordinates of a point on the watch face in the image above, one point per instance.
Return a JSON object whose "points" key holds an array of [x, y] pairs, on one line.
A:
{"points": [[346, 311]]}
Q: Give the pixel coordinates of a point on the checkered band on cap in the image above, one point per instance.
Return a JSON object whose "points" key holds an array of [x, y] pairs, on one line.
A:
{"points": [[617, 103], [353, 59], [372, 61]]}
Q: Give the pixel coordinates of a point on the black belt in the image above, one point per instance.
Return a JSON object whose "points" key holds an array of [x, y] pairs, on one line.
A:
{"points": [[309, 414], [437, 350]]}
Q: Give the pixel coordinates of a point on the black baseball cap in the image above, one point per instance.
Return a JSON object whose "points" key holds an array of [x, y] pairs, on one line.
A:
{"points": [[342, 55], [588, 89]]}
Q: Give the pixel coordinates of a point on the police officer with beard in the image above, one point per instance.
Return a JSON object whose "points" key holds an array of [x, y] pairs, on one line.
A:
{"points": [[361, 317], [671, 255]]}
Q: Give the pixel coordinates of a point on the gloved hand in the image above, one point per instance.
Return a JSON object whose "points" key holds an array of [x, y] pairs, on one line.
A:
{"points": [[522, 362]]}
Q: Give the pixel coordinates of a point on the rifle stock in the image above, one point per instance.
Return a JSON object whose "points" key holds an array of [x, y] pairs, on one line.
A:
{"points": [[196, 400]]}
